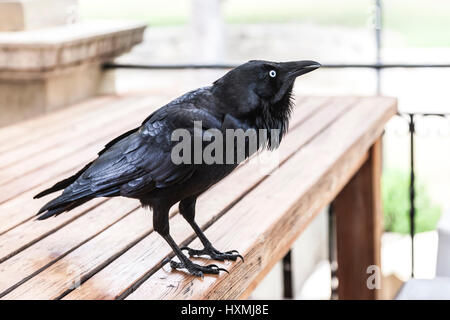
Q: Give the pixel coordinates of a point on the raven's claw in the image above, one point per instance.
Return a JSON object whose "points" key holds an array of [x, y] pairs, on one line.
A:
{"points": [[214, 253], [196, 269]]}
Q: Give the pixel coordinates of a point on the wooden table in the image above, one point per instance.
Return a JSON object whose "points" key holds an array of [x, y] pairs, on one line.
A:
{"points": [[332, 151]]}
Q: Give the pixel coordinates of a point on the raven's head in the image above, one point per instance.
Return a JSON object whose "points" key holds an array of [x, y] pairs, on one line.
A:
{"points": [[261, 90], [258, 82]]}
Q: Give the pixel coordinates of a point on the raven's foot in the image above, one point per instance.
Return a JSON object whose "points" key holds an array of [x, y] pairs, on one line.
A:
{"points": [[214, 253], [196, 269]]}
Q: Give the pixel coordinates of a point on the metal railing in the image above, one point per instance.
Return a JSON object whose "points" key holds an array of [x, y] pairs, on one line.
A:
{"points": [[377, 66]]}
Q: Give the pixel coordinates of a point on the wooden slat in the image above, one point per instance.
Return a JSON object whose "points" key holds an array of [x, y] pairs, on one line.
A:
{"points": [[30, 157], [34, 129], [23, 207], [107, 249], [66, 135], [29, 232], [66, 165], [358, 230], [37, 257], [40, 177], [97, 123], [129, 112], [53, 281], [118, 277], [265, 223], [43, 126], [50, 125]]}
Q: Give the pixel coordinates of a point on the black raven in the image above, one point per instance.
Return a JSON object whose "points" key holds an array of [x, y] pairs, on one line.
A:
{"points": [[139, 164]]}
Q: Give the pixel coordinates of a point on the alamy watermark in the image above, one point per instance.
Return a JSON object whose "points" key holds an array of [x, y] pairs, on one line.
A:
{"points": [[228, 146], [374, 279]]}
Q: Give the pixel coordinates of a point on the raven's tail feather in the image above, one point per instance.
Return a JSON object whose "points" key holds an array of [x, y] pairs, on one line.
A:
{"points": [[67, 202], [53, 210], [63, 183], [58, 186]]}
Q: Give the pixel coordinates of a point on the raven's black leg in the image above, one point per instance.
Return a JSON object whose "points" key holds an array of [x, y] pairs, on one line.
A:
{"points": [[187, 209], [161, 225], [185, 263]]}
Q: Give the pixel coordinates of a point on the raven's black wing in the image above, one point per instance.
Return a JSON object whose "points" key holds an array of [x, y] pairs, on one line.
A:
{"points": [[60, 185], [140, 161], [159, 114]]}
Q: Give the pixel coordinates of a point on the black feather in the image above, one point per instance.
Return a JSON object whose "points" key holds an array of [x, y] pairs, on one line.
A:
{"points": [[67, 182], [115, 140], [63, 183], [58, 210]]}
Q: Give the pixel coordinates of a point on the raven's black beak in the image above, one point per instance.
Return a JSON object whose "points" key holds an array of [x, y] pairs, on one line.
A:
{"points": [[297, 68], [290, 71]]}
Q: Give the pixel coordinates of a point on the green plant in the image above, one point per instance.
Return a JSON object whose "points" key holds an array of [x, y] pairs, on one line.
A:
{"points": [[395, 193]]}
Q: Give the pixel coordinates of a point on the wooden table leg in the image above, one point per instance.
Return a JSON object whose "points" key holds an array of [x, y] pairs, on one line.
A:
{"points": [[358, 231]]}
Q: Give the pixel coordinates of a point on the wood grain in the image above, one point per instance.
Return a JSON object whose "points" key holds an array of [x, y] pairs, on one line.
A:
{"points": [[31, 231], [67, 144], [34, 129], [69, 136], [54, 280], [40, 255], [23, 207]]}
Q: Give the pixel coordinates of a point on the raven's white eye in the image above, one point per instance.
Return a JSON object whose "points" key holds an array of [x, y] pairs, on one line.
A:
{"points": [[272, 73]]}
